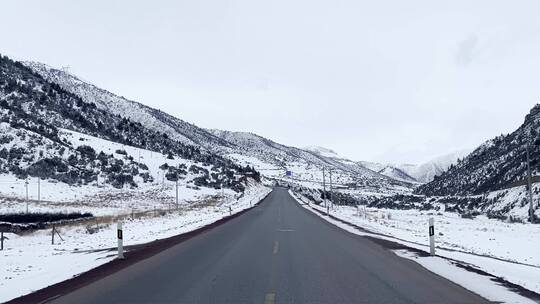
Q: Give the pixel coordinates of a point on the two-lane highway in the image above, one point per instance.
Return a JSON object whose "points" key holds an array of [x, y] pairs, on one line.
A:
{"points": [[276, 253]]}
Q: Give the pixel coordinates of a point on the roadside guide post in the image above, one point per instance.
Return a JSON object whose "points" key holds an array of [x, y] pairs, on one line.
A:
{"points": [[365, 212], [53, 232], [331, 195], [120, 241], [431, 236], [3, 228]]}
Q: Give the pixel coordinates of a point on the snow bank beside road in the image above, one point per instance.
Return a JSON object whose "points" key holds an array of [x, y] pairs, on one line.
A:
{"points": [[501, 249], [474, 282], [30, 262]]}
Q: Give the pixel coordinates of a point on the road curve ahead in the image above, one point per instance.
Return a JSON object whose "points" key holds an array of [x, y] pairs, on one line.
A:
{"points": [[275, 253]]}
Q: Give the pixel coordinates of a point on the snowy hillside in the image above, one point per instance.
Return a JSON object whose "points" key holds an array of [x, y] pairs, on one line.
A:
{"points": [[150, 183], [36, 113], [510, 204], [497, 164], [82, 159], [372, 165], [252, 149], [322, 151], [273, 160], [425, 172], [491, 180], [150, 118], [421, 173], [397, 173]]}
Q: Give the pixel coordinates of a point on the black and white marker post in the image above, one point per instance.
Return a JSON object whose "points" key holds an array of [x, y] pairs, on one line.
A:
{"points": [[120, 241], [431, 236]]}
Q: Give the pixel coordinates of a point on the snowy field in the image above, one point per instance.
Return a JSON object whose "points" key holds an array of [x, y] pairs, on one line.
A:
{"points": [[30, 262], [100, 201], [506, 250], [100, 198]]}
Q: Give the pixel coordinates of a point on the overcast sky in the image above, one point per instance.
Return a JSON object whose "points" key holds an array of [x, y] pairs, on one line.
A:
{"points": [[395, 81]]}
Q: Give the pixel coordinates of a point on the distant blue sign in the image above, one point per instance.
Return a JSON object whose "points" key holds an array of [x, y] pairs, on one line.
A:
{"points": [[288, 173]]}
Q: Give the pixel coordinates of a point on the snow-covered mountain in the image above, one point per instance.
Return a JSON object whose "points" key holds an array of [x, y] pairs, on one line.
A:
{"points": [[150, 118], [422, 173], [425, 172], [489, 180], [65, 130], [496, 164], [270, 158], [389, 170], [273, 160], [397, 173], [38, 118]]}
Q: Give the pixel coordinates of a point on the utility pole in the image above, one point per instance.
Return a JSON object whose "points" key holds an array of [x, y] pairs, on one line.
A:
{"points": [[331, 194], [26, 186], [39, 189], [177, 192], [529, 182], [324, 189]]}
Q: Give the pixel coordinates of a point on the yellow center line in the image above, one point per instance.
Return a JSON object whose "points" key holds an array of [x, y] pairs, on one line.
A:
{"points": [[270, 298]]}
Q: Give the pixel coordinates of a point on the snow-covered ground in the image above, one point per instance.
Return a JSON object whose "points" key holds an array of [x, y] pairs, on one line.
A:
{"points": [[480, 284], [100, 198], [30, 262], [505, 250], [100, 201], [513, 202]]}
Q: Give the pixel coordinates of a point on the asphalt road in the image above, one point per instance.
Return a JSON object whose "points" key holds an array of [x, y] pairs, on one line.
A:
{"points": [[275, 253]]}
